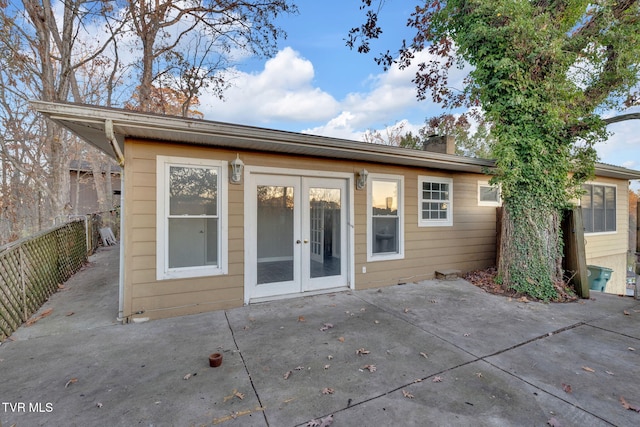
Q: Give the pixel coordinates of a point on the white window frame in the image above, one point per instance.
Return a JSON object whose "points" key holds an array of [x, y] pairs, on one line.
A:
{"points": [[448, 222], [399, 180], [486, 202], [615, 192], [163, 272]]}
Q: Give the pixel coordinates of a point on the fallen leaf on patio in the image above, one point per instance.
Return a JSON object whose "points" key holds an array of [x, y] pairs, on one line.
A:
{"points": [[631, 349], [437, 379], [71, 381], [406, 310], [553, 422], [41, 316], [99, 405], [466, 335], [239, 395], [287, 375], [328, 390], [433, 301], [321, 422], [376, 321], [628, 406], [609, 372], [245, 328], [479, 375], [566, 388], [60, 286], [326, 327], [626, 313], [301, 319], [588, 369], [326, 367], [407, 394], [329, 357], [362, 351], [423, 354], [523, 299], [186, 377], [371, 368], [299, 368], [363, 309], [326, 421], [71, 313], [341, 339], [419, 380]]}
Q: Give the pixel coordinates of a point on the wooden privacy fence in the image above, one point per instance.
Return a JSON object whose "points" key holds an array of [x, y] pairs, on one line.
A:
{"points": [[32, 268]]}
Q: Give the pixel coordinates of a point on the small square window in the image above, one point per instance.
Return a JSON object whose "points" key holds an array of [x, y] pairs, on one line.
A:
{"points": [[488, 195], [435, 201]]}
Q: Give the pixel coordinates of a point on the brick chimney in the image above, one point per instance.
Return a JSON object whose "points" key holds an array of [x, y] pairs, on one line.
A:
{"points": [[444, 144]]}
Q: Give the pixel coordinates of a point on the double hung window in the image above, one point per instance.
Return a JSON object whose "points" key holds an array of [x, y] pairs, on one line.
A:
{"points": [[385, 217], [191, 221]]}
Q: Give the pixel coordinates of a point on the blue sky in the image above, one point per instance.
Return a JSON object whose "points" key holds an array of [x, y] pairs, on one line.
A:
{"points": [[315, 84]]}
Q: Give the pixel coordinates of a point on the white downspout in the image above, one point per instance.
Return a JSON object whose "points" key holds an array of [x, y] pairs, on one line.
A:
{"points": [[108, 130]]}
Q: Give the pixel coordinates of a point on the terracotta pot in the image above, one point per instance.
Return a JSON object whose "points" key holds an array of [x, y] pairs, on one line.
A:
{"points": [[215, 360]]}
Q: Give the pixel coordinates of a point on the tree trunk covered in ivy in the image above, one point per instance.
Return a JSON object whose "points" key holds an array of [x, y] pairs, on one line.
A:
{"points": [[542, 72], [530, 248]]}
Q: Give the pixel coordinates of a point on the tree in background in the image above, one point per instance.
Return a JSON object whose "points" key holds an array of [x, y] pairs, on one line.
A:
{"points": [[542, 72], [42, 58], [186, 44], [154, 56]]}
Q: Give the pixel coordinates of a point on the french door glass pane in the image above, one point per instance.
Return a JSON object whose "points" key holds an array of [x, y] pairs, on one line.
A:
{"points": [[324, 229], [275, 234]]}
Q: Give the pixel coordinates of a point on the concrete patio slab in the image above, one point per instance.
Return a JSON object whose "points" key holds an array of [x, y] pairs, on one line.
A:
{"points": [[496, 361]]}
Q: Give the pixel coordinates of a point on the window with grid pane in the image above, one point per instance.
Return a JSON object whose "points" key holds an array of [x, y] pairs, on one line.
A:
{"points": [[435, 196], [599, 208]]}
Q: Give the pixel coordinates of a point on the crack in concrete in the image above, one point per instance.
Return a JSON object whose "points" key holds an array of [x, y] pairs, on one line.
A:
{"points": [[246, 368]]}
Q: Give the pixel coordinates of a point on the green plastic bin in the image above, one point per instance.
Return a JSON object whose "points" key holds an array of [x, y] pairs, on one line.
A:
{"points": [[598, 277]]}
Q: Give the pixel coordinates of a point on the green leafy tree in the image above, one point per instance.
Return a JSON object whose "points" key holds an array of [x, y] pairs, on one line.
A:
{"points": [[542, 72]]}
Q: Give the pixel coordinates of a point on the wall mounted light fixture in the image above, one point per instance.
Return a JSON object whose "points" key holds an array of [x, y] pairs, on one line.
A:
{"points": [[361, 181], [237, 166]]}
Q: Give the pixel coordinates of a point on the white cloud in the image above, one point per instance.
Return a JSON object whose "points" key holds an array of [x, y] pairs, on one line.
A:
{"points": [[391, 99], [623, 147], [283, 90]]}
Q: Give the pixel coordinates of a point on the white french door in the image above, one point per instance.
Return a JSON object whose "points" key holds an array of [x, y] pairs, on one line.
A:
{"points": [[298, 232]]}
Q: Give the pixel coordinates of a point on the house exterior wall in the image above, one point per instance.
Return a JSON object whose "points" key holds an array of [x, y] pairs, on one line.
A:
{"points": [[610, 249], [467, 245]]}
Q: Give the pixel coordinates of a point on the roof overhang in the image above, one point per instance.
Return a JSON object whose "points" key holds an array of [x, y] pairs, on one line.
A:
{"points": [[90, 124]]}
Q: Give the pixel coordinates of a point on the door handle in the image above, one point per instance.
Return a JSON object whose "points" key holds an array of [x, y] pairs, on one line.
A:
{"points": [[306, 241], [298, 242]]}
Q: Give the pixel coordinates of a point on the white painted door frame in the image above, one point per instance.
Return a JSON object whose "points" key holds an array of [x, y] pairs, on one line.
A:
{"points": [[252, 178]]}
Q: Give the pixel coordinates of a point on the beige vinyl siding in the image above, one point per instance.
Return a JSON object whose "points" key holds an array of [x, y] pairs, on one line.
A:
{"points": [[467, 245], [610, 249], [167, 298]]}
